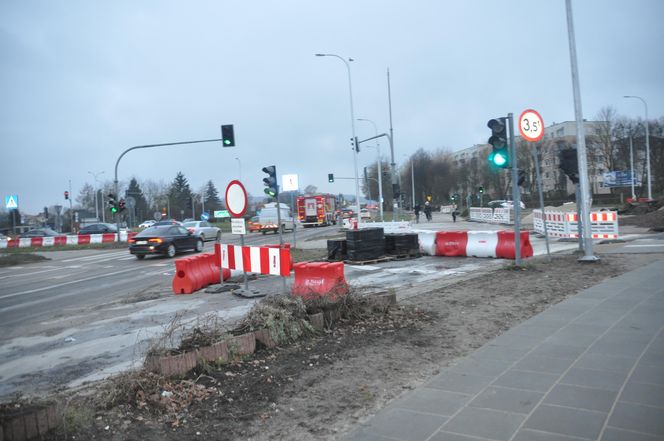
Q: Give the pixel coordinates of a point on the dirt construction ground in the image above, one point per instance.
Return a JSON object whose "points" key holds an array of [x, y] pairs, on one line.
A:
{"points": [[319, 388]]}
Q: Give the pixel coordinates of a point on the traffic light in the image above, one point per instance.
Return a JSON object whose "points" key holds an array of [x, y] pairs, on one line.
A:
{"points": [[330, 177], [112, 204], [355, 143], [480, 190], [66, 195], [569, 164], [270, 182], [522, 178], [227, 135], [121, 205], [499, 157]]}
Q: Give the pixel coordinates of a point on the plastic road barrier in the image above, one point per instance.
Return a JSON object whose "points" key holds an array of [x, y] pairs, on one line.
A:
{"points": [[319, 279], [262, 260], [481, 244], [36, 242], [196, 272], [427, 240], [451, 243]]}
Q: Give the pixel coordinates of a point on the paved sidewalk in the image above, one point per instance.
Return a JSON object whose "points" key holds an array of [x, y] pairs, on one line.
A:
{"points": [[588, 368]]}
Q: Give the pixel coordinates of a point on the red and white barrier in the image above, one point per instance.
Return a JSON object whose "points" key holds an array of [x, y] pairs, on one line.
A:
{"points": [[603, 224], [82, 239], [262, 260], [319, 279], [498, 244]]}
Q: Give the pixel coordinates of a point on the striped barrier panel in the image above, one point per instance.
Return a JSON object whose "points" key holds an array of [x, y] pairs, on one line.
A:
{"points": [[499, 244], [475, 214], [502, 216], [447, 209], [261, 260], [603, 224], [81, 239]]}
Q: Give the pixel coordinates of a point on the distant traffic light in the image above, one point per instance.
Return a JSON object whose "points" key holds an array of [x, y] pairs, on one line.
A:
{"points": [[355, 143], [522, 178], [499, 156], [112, 203], [480, 190], [270, 182], [330, 177], [66, 195], [569, 164], [227, 135]]}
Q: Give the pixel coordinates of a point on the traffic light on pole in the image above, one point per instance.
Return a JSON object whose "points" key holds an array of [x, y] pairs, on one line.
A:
{"points": [[499, 156], [569, 164], [227, 135], [66, 195], [112, 204], [330, 177], [480, 190], [270, 182]]}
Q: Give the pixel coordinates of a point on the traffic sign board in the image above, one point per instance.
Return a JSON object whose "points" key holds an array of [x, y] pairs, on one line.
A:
{"points": [[205, 216], [221, 213], [238, 227], [11, 201], [531, 125], [236, 199], [289, 183]]}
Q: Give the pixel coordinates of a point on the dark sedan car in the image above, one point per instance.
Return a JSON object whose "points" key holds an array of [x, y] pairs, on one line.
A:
{"points": [[99, 228], [164, 239], [40, 232]]}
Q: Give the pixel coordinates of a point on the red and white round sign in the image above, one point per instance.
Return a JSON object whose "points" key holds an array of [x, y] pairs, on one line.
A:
{"points": [[531, 125], [236, 199]]}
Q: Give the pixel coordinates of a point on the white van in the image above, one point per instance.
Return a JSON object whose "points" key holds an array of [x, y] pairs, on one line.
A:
{"points": [[268, 218]]}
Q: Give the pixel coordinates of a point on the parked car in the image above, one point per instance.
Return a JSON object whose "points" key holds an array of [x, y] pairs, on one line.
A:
{"points": [[147, 224], [254, 224], [365, 214], [167, 222], [40, 232], [164, 239], [503, 204], [100, 228], [203, 229]]}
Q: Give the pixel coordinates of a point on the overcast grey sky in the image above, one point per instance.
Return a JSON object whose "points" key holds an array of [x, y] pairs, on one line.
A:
{"points": [[83, 80]]}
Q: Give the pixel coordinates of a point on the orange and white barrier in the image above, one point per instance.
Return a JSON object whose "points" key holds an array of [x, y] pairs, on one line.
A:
{"points": [[603, 224], [499, 244], [261, 260], [81, 239]]}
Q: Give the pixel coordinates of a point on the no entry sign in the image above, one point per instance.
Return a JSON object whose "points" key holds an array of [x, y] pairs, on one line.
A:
{"points": [[236, 199]]}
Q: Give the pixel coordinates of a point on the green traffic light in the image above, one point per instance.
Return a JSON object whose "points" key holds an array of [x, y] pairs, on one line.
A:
{"points": [[114, 210], [270, 192], [498, 158], [227, 142]]}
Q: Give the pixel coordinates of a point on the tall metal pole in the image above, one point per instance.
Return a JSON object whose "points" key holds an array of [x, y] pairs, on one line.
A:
{"points": [[580, 143], [379, 168], [647, 144], [239, 165], [393, 165], [541, 199], [96, 201], [71, 210], [516, 196], [412, 179], [631, 167], [352, 125]]}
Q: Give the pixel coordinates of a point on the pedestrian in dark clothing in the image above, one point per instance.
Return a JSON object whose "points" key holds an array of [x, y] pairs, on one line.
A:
{"points": [[427, 210], [454, 215], [417, 209]]}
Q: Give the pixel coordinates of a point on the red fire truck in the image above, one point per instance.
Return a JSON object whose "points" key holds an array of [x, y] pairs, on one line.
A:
{"points": [[317, 210]]}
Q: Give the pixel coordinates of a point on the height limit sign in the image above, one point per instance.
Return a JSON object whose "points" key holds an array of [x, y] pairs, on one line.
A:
{"points": [[531, 125]]}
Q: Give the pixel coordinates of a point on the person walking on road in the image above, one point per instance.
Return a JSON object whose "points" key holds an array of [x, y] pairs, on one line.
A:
{"points": [[454, 215], [427, 210], [417, 209]]}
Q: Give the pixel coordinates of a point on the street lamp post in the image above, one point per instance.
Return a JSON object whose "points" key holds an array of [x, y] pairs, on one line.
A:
{"points": [[647, 142], [239, 165], [94, 175], [379, 168], [352, 125]]}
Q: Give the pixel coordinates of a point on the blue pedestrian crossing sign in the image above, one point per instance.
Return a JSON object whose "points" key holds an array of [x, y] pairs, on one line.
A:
{"points": [[11, 201]]}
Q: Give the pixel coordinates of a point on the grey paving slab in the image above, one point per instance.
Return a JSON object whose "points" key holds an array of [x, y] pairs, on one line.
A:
{"points": [[405, 425], [536, 435], [515, 341], [484, 423], [436, 401], [638, 418], [642, 393], [653, 358], [606, 380], [571, 338], [557, 351], [604, 362], [618, 349], [474, 366], [507, 400], [538, 363], [526, 380], [566, 421], [581, 397], [533, 330], [364, 434], [613, 434], [584, 329], [459, 382], [500, 353], [648, 374], [448, 436]]}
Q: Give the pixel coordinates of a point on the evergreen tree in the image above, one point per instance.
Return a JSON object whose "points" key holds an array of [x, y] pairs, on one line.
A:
{"points": [[212, 200], [179, 196], [142, 210]]}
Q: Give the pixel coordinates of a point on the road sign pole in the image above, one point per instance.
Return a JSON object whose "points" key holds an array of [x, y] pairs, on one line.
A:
{"points": [[541, 199], [516, 197]]}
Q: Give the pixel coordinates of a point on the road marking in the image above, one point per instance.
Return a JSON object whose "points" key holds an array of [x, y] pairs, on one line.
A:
{"points": [[30, 274], [97, 256], [71, 282], [644, 245]]}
